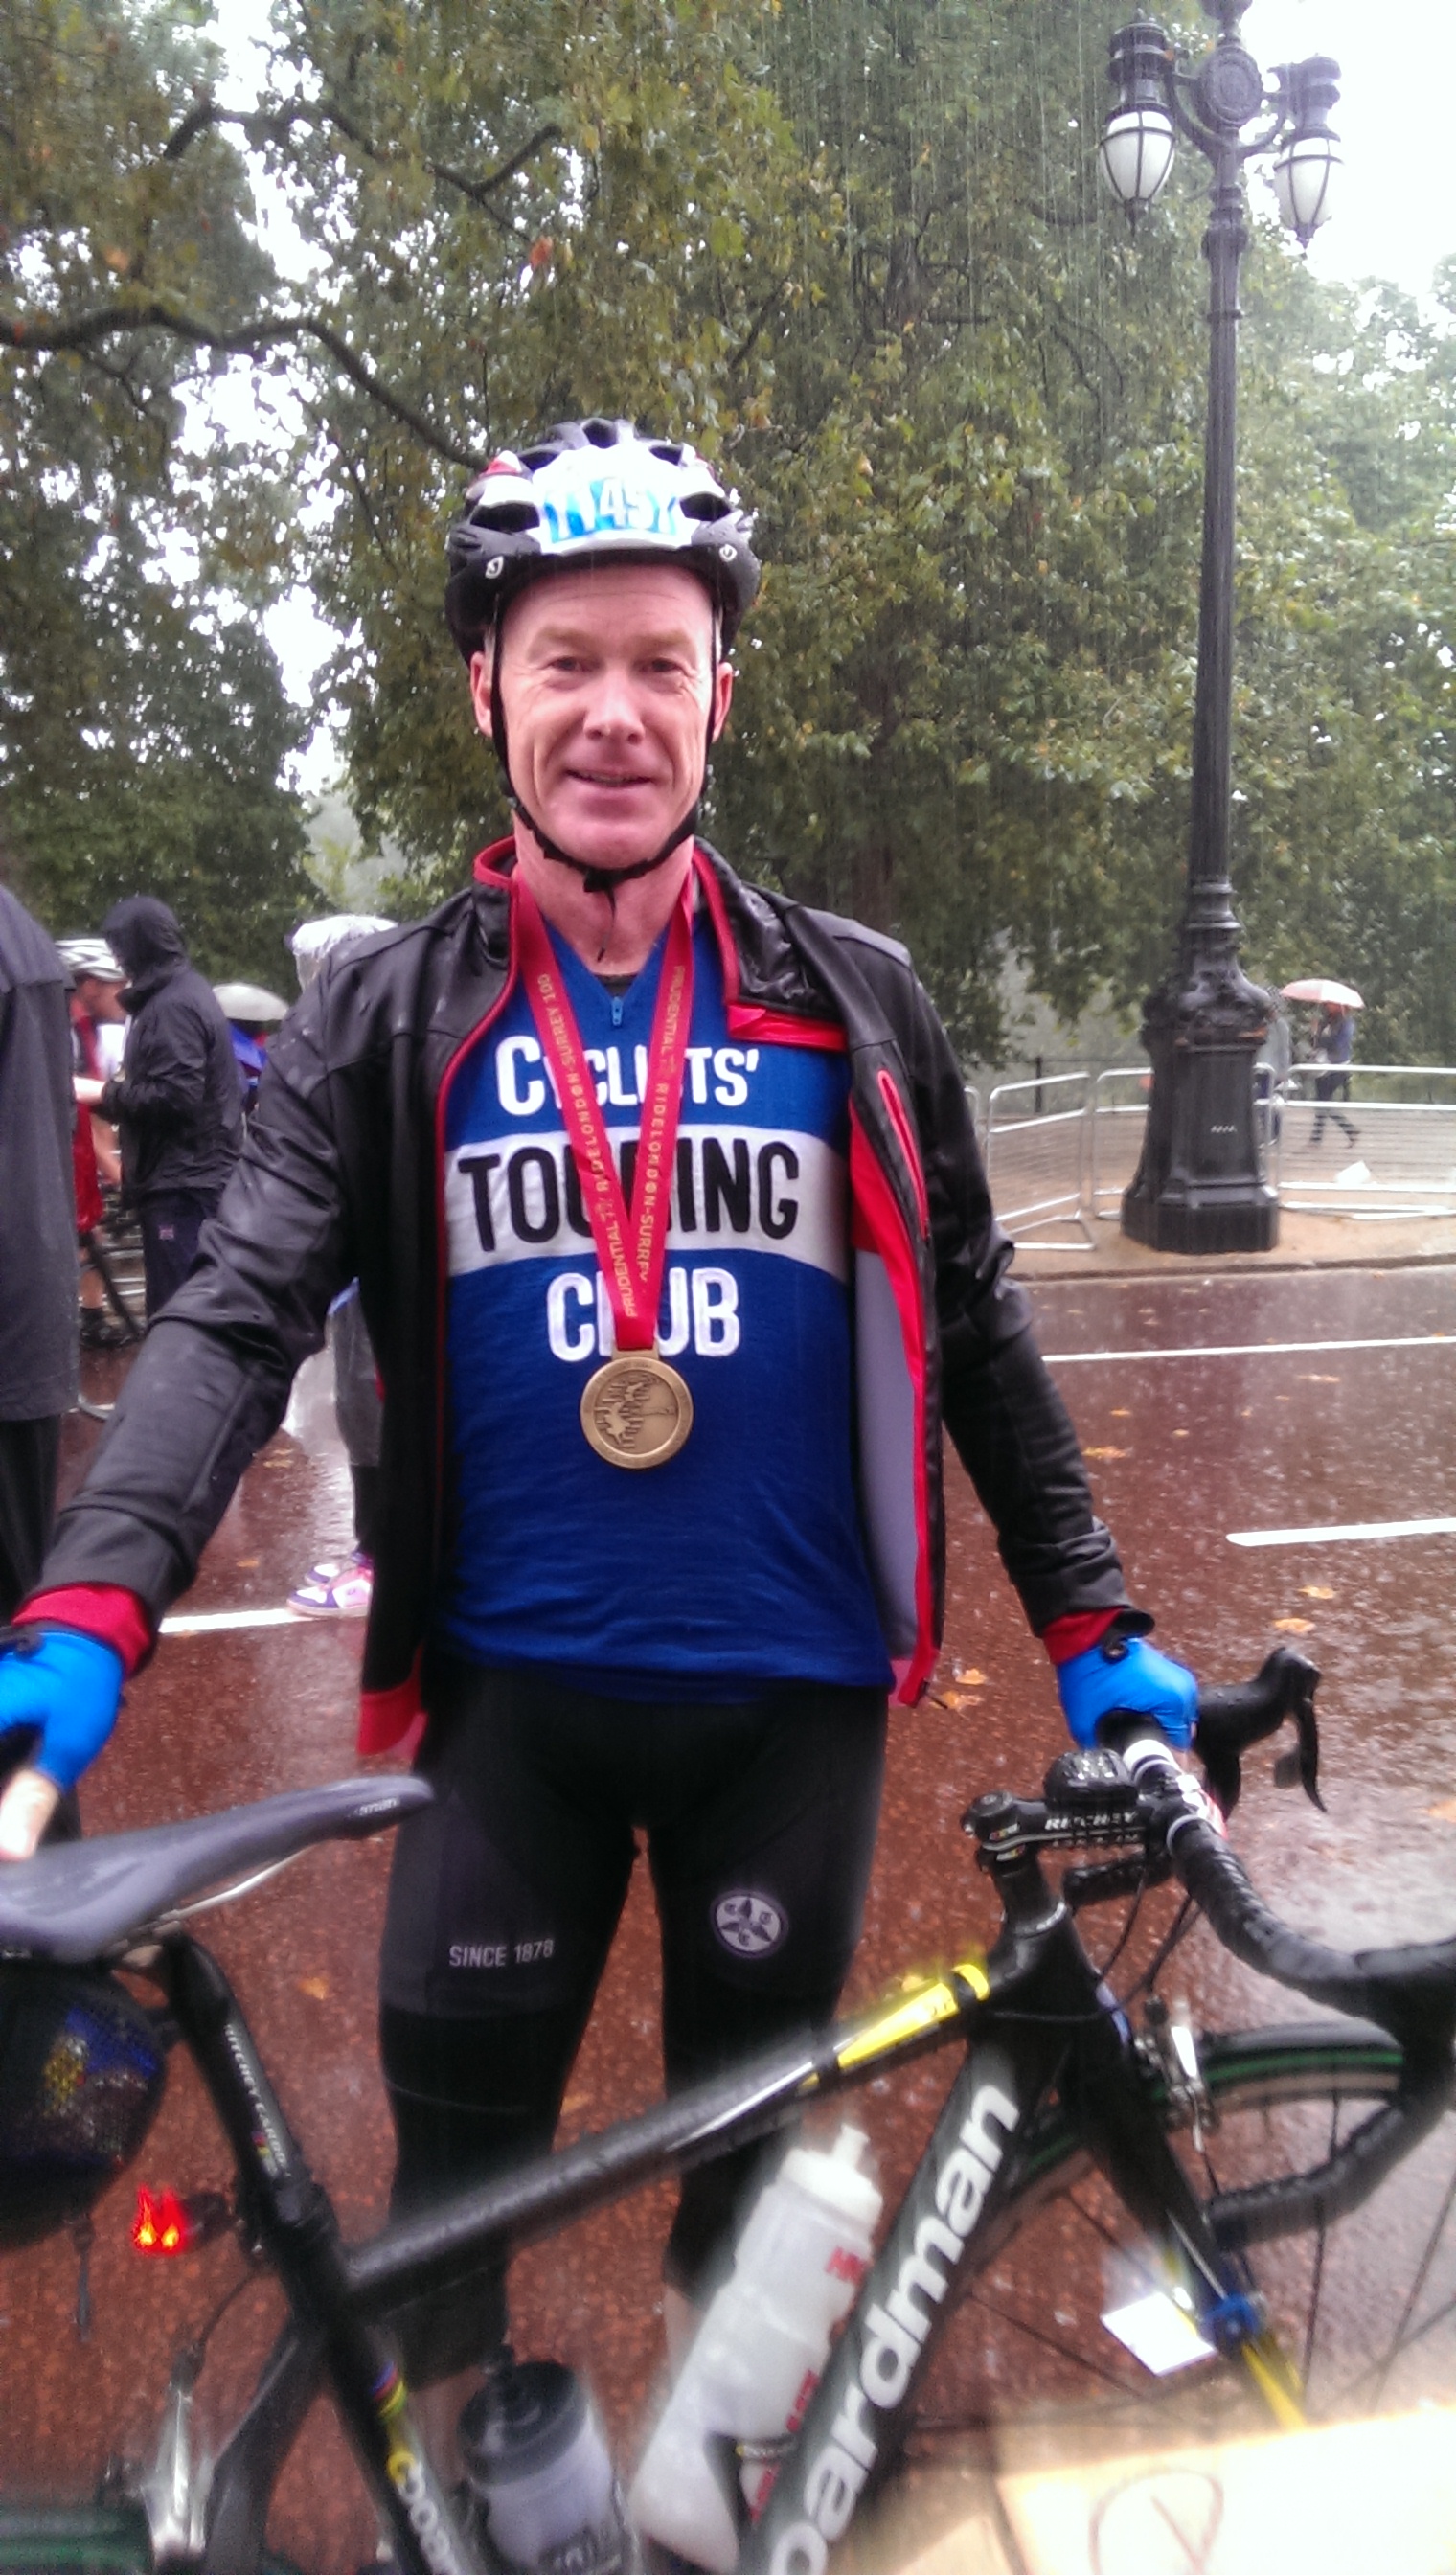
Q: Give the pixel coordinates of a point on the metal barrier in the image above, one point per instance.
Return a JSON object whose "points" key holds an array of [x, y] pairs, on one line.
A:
{"points": [[1036, 1156], [1118, 1117], [1388, 1151]]}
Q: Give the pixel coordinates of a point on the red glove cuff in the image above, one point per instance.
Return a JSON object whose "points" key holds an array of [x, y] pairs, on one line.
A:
{"points": [[1076, 1634], [101, 1609]]}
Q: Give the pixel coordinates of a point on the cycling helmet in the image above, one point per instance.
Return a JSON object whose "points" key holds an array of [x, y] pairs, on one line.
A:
{"points": [[313, 940], [90, 956], [83, 2068], [588, 490], [591, 488]]}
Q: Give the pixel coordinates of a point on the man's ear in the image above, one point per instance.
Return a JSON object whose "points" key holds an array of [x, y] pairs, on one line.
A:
{"points": [[481, 665], [723, 693]]}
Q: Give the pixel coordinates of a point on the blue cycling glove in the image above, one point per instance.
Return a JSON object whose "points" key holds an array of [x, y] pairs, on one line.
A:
{"points": [[67, 1685], [1126, 1672]]}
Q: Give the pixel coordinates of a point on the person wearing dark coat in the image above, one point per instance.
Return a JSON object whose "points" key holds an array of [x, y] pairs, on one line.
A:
{"points": [[37, 1241], [177, 1100]]}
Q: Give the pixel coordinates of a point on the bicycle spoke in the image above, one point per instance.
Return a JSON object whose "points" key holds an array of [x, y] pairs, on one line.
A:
{"points": [[1311, 2324], [1050, 2342], [1397, 2343]]}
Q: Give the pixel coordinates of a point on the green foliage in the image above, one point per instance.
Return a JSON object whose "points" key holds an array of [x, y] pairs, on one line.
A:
{"points": [[857, 250], [142, 726]]}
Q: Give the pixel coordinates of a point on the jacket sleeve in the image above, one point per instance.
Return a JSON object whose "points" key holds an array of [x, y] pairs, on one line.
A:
{"points": [[212, 1379], [161, 1095], [1007, 1422]]}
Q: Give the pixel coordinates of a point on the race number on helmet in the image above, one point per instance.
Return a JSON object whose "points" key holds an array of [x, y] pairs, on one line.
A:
{"points": [[588, 489]]}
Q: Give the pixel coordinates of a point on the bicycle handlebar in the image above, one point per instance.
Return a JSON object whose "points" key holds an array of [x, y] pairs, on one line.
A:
{"points": [[1133, 1794]]}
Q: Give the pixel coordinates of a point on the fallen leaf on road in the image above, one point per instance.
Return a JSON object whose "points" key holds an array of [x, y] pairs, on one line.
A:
{"points": [[315, 1988], [1295, 1626], [1106, 1452], [1316, 1591], [1308, 1377], [249, 1564], [1445, 1814], [972, 1679], [1122, 1412]]}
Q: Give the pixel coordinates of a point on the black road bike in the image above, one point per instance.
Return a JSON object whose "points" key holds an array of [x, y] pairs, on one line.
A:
{"points": [[1215, 2173]]}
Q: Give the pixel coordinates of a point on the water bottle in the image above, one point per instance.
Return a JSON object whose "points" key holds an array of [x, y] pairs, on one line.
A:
{"points": [[539, 2471], [759, 2353]]}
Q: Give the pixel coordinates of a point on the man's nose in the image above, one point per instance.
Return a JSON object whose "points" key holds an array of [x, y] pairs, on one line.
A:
{"points": [[613, 706]]}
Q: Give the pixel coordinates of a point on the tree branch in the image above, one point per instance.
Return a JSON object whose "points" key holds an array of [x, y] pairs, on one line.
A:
{"points": [[249, 340], [274, 125]]}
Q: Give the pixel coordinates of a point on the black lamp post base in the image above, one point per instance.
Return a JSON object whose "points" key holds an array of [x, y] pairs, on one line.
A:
{"points": [[1200, 1186], [1200, 1224]]}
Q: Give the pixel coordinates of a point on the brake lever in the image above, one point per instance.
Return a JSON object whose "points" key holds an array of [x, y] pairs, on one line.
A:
{"points": [[1302, 1766], [1232, 1720]]}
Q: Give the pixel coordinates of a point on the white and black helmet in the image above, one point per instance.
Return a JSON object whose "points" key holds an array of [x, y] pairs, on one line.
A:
{"points": [[587, 490], [90, 956]]}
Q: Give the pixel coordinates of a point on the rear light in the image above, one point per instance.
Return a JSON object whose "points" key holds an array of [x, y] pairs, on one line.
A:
{"points": [[166, 2224]]}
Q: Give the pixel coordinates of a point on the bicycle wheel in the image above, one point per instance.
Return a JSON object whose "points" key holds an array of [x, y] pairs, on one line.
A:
{"points": [[1364, 2308]]}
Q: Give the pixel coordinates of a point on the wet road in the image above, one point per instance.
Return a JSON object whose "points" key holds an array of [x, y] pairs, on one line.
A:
{"points": [[1240, 1437]]}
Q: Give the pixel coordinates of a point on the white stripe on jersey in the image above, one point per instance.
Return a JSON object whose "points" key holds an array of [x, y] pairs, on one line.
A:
{"points": [[511, 1198]]}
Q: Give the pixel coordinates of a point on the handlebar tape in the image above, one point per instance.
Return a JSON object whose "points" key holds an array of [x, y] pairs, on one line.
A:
{"points": [[1409, 1992]]}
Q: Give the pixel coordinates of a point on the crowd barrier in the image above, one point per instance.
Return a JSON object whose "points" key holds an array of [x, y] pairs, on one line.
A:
{"points": [[1061, 1149]]}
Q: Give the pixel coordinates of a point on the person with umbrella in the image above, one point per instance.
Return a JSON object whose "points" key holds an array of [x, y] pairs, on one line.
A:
{"points": [[1335, 1044]]}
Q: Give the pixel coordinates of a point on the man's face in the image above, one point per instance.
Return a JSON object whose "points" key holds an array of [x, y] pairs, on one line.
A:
{"points": [[100, 1000], [607, 679]]}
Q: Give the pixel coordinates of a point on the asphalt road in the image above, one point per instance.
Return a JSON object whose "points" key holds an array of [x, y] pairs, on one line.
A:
{"points": [[1209, 1407]]}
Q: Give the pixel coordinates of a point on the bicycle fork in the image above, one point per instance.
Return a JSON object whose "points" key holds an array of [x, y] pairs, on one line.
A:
{"points": [[295, 2224]]}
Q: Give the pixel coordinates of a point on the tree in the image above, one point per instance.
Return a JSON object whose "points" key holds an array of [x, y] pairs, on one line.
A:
{"points": [[143, 722]]}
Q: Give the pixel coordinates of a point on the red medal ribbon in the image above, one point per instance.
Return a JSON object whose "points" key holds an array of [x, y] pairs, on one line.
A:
{"points": [[631, 1243]]}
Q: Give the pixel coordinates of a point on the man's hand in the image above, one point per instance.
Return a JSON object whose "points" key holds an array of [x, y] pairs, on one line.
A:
{"points": [[1126, 1672], [65, 1689]]}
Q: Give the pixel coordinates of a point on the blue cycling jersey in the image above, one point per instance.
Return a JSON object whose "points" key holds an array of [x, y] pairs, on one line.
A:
{"points": [[739, 1562]]}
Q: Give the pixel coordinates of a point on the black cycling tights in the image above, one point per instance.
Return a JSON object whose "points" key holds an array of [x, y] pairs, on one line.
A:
{"points": [[506, 1893]]}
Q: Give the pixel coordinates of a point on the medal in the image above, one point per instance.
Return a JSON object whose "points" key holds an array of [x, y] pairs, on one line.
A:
{"points": [[635, 1410]]}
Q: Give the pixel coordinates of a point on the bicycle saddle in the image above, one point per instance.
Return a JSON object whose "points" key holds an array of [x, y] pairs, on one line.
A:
{"points": [[77, 1900]]}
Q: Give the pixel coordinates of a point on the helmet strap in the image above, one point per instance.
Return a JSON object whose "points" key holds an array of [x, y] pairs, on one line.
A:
{"points": [[595, 878]]}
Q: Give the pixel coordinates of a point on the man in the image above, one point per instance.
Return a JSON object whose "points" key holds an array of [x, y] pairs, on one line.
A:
{"points": [[98, 1042], [1334, 1045], [660, 1518], [178, 1101], [37, 1242]]}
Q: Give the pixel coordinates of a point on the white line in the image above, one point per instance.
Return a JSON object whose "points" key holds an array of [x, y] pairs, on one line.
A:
{"points": [[1338, 1532], [213, 1622], [1253, 1350]]}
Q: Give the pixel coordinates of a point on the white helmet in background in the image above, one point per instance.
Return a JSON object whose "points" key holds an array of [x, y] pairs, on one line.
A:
{"points": [[90, 956], [313, 940]]}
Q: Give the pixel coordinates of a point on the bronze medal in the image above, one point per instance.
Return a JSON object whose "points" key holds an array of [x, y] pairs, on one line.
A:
{"points": [[637, 1411]]}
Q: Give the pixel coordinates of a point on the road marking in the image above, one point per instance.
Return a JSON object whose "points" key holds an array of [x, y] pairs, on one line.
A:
{"points": [[214, 1622], [1340, 1531], [1252, 1350]]}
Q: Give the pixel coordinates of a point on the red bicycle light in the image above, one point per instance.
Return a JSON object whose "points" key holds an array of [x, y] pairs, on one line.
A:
{"points": [[164, 2224]]}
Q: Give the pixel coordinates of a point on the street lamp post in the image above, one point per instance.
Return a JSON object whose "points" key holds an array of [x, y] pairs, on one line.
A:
{"points": [[1201, 1186]]}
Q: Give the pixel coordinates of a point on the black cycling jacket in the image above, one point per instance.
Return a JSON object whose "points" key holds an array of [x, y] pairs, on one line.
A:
{"points": [[341, 1177], [179, 1100]]}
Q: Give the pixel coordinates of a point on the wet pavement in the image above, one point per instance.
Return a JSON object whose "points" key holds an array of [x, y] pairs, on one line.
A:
{"points": [[1242, 1436]]}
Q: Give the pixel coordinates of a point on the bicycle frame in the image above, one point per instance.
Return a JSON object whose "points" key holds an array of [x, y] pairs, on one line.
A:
{"points": [[1032, 2018]]}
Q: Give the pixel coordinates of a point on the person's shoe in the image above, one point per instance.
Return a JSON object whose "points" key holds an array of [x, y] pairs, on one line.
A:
{"points": [[99, 1332], [340, 1587]]}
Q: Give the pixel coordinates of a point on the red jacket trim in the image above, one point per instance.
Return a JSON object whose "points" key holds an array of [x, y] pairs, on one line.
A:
{"points": [[1077, 1632], [878, 1225], [779, 1027], [115, 1617], [391, 1717]]}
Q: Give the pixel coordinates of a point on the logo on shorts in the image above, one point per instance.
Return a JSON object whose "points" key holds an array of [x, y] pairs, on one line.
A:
{"points": [[748, 1925]]}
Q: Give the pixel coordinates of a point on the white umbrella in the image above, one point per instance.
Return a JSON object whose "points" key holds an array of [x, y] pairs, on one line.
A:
{"points": [[1318, 988], [253, 1004]]}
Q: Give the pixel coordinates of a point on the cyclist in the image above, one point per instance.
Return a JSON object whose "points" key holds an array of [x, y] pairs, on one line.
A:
{"points": [[675, 1249]]}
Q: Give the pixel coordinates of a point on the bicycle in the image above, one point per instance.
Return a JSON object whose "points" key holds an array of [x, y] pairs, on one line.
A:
{"points": [[1054, 2082]]}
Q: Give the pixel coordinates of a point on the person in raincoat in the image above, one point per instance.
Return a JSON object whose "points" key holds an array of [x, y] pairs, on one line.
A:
{"points": [[177, 1100]]}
